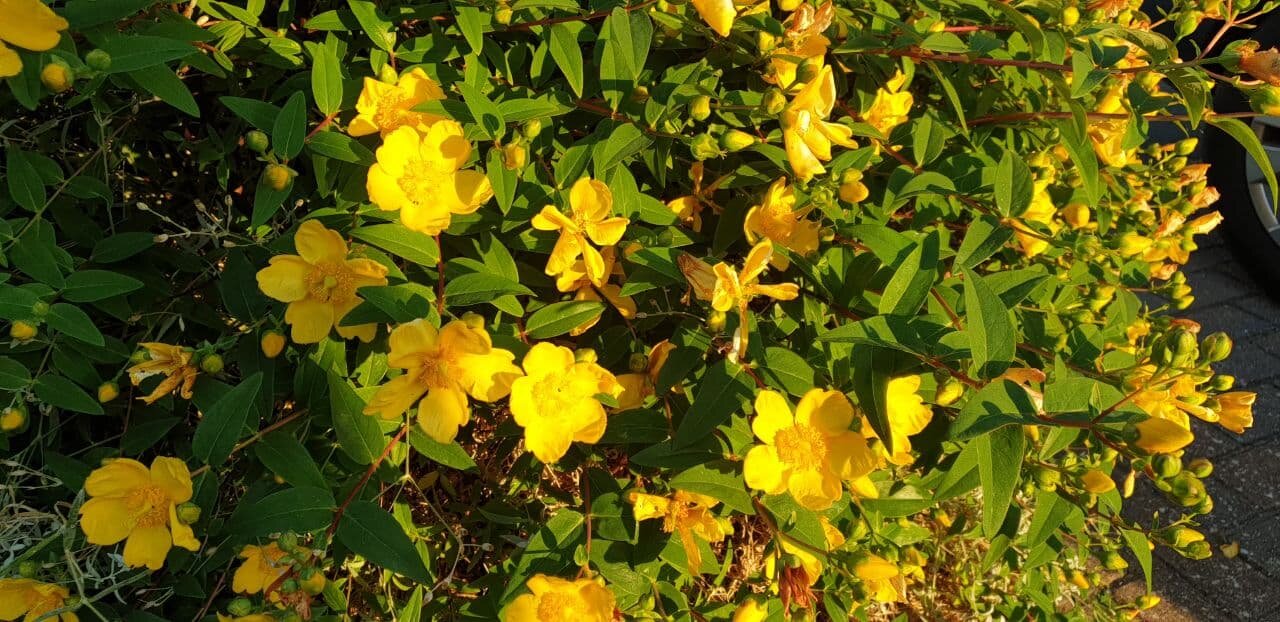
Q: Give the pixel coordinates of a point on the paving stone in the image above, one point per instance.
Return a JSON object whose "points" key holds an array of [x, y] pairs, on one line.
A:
{"points": [[1255, 472], [1238, 323], [1180, 600], [1215, 285], [1252, 366]]}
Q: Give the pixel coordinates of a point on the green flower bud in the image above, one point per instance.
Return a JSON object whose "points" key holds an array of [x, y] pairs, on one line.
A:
{"points": [[773, 102], [640, 94], [809, 69], [638, 362], [1200, 467], [257, 141], [1070, 16], [288, 541], [98, 60], [211, 364], [514, 156], [240, 607], [1047, 479], [700, 108], [1187, 23], [1114, 561], [108, 391], [188, 513], [1186, 146], [290, 585], [1187, 490], [28, 569], [1198, 550], [531, 128], [736, 140], [704, 147], [40, 308], [1222, 382], [1167, 465], [388, 74], [1183, 347], [1265, 99], [1216, 347]]}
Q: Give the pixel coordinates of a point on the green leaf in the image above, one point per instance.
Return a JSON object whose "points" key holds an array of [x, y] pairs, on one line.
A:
{"points": [[1141, 547], [71, 321], [451, 455], [909, 287], [267, 200], [985, 237], [401, 241], [376, 27], [625, 141], [475, 288], [284, 455], [374, 534], [299, 510], [719, 479], [626, 36], [392, 304], [133, 52], [326, 78], [999, 467], [1236, 129], [359, 435], [1051, 510], [93, 285], [13, 375], [502, 180], [225, 422], [162, 82], [998, 404], [259, 114], [1081, 152], [340, 147], [1190, 82], [483, 110], [787, 370], [992, 336], [567, 52], [1013, 184], [471, 21], [121, 246], [25, 186], [81, 14], [871, 387], [290, 128], [57, 391], [559, 318], [723, 391]]}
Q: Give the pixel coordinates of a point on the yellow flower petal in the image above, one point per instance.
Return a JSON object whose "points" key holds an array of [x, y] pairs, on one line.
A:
{"points": [[772, 414], [814, 489], [395, 397], [446, 146], [550, 219], [147, 546], [442, 412], [285, 278], [718, 14], [763, 471], [173, 477], [647, 506], [607, 232], [309, 320], [471, 189], [117, 478], [590, 420], [591, 199], [384, 189], [105, 520], [10, 62], [29, 24], [849, 456], [317, 243], [829, 411], [548, 443], [757, 260], [180, 532], [635, 388], [545, 358]]}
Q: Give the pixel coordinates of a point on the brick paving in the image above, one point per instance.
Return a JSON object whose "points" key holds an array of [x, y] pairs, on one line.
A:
{"points": [[1245, 485]]}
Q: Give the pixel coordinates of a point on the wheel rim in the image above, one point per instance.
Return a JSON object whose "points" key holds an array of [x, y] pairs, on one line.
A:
{"points": [[1268, 132]]}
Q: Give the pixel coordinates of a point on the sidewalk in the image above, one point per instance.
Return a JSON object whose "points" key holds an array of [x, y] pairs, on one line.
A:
{"points": [[1245, 485]]}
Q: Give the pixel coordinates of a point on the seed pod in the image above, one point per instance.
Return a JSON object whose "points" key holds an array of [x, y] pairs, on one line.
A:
{"points": [[704, 147], [188, 513], [257, 141], [773, 101], [98, 60], [736, 140], [211, 364]]}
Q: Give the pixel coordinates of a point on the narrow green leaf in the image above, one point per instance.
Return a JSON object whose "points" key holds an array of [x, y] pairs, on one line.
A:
{"points": [[475, 288], [372, 533], [290, 127], [567, 52], [359, 435], [299, 510], [93, 285], [285, 455], [73, 322], [326, 78], [559, 318], [1013, 185], [57, 391], [133, 52], [25, 186], [720, 480], [999, 467], [486, 113], [1236, 129], [909, 288], [224, 422], [992, 336], [164, 83], [401, 241], [723, 391]]}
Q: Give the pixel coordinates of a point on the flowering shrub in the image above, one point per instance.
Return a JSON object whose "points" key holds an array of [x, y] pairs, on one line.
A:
{"points": [[540, 311]]}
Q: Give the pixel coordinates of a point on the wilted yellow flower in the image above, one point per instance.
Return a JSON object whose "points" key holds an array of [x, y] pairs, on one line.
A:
{"points": [[1162, 436], [1264, 65], [129, 502], [688, 208], [421, 175], [808, 454], [890, 105], [260, 570], [1097, 482], [806, 134], [27, 24], [810, 565], [552, 599], [575, 279], [728, 289], [446, 365], [172, 361], [804, 42], [908, 415], [686, 514], [1235, 410], [751, 610], [32, 600], [778, 220], [590, 218], [386, 107], [555, 401], [878, 575], [636, 387], [319, 284]]}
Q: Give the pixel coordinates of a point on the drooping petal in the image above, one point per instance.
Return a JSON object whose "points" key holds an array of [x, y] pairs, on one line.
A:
{"points": [[772, 414], [105, 520], [309, 320], [762, 470], [181, 532], [147, 546], [780, 291], [829, 411], [646, 506], [363, 332], [317, 243], [589, 419], [173, 477], [550, 219], [117, 478], [849, 455], [757, 260], [607, 232], [635, 388], [285, 278], [594, 263], [442, 412]]}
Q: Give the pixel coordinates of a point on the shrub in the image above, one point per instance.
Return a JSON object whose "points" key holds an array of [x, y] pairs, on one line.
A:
{"points": [[540, 311]]}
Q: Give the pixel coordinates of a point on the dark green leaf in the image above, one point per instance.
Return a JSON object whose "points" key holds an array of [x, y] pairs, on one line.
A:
{"points": [[559, 318], [92, 285], [372, 533], [290, 128], [299, 510], [57, 391], [999, 467], [224, 422]]}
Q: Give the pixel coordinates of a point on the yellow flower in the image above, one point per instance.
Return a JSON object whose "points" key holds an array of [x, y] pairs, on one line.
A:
{"points": [[805, 41], [806, 134], [13, 420], [445, 365], [552, 599], [386, 107], [319, 284], [260, 570], [172, 361], [810, 453], [421, 175], [637, 387], [688, 208], [591, 206], [727, 288], [1107, 135], [128, 502], [686, 514], [575, 279], [751, 610], [27, 24], [1097, 482], [1235, 410], [555, 401], [908, 415], [32, 600], [720, 14], [810, 564], [1162, 436], [1041, 211], [879, 575], [890, 105], [777, 220]]}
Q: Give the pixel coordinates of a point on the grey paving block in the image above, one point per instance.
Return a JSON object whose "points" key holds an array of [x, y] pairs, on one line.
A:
{"points": [[1252, 366], [1236, 322], [1254, 472], [1215, 285], [1259, 544], [1219, 588]]}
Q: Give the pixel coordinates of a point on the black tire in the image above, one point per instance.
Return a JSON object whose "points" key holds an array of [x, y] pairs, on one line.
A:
{"points": [[1244, 223]]}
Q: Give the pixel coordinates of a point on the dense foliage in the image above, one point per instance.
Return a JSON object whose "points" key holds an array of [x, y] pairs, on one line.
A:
{"points": [[539, 310]]}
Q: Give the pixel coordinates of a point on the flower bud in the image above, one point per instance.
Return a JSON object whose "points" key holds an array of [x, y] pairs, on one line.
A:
{"points": [[514, 157], [1200, 467], [22, 330], [28, 569], [1216, 347], [531, 128], [1167, 465], [56, 77], [1183, 347], [704, 147], [736, 140], [312, 581], [585, 355], [289, 586], [1265, 99], [211, 364], [773, 102], [948, 392], [715, 321], [1186, 146], [638, 362], [1078, 579], [278, 176], [1198, 550], [13, 420], [98, 60], [503, 15], [1187, 490], [388, 74], [1097, 482], [700, 108], [272, 343], [1187, 23], [1070, 16], [1076, 215], [1114, 561], [108, 391], [257, 141], [1047, 479], [188, 513], [1148, 601], [240, 607], [1126, 490], [1157, 436], [809, 68], [789, 5]]}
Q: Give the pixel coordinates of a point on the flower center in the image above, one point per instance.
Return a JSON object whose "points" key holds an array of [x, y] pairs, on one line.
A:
{"points": [[422, 180], [435, 370], [777, 224], [150, 506], [555, 395], [559, 606], [802, 446], [391, 113], [331, 282]]}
